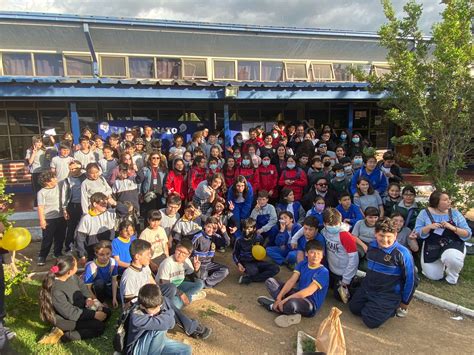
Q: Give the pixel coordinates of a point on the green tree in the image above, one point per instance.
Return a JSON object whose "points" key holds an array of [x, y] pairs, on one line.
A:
{"points": [[429, 90]]}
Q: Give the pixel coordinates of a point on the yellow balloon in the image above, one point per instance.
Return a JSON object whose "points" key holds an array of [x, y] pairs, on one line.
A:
{"points": [[16, 238], [259, 252]]}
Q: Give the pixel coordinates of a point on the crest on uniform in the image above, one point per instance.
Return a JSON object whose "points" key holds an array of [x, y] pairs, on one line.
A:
{"points": [[387, 257]]}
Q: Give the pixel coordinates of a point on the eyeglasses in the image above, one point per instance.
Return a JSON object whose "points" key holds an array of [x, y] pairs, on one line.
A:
{"points": [[409, 195], [155, 158], [322, 184]]}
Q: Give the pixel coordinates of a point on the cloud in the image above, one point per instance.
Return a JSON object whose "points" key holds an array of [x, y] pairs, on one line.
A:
{"points": [[366, 15]]}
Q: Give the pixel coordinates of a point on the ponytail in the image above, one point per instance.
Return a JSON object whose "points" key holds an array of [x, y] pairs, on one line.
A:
{"points": [[63, 265]]}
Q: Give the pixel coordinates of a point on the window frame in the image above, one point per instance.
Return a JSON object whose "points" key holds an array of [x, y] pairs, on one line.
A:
{"points": [[227, 61], [143, 57], [282, 71], [177, 58], [66, 55], [287, 78], [125, 57], [351, 76], [333, 76], [380, 66], [259, 62], [183, 72], [33, 66], [52, 53]]}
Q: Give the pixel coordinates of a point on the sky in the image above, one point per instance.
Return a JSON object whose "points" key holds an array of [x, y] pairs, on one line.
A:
{"points": [[357, 15]]}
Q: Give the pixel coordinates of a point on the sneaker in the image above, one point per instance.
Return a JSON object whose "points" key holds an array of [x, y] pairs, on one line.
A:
{"points": [[285, 321], [10, 334], [344, 293], [244, 280], [402, 313], [266, 302], [41, 261], [221, 250], [202, 332], [52, 337], [198, 296]]}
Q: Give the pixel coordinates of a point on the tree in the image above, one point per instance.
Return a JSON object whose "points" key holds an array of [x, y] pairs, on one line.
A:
{"points": [[429, 89]]}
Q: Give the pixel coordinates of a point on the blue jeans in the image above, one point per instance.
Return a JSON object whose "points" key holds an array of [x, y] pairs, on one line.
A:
{"points": [[156, 342], [189, 288], [280, 256]]}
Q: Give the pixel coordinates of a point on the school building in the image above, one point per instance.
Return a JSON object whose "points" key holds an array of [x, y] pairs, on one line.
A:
{"points": [[67, 72]]}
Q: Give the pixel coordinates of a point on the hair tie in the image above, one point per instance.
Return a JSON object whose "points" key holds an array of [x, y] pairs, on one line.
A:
{"points": [[54, 269]]}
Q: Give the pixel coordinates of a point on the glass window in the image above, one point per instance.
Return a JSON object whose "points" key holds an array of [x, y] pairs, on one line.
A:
{"points": [[78, 65], [5, 148], [248, 70], [113, 115], [113, 66], [171, 115], [381, 70], [17, 64], [322, 72], [168, 68], [296, 71], [87, 118], [342, 71], [195, 68], [141, 67], [23, 122], [20, 144], [272, 71], [144, 115], [3, 123], [49, 64], [224, 70], [59, 120]]}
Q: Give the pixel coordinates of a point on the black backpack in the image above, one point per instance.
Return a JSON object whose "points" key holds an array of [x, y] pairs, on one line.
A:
{"points": [[120, 336]]}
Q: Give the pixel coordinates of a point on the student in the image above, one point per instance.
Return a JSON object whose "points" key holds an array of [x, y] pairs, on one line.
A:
{"points": [[265, 216], [139, 274], [315, 172], [170, 215], [392, 198], [153, 184], [207, 191], [108, 163], [240, 198], [390, 281], [85, 154], [309, 232], [60, 163], [196, 175], [405, 236], [288, 203], [204, 244], [98, 147], [293, 178], [249, 172], [188, 225], [373, 174], [177, 150], [229, 170], [254, 158], [121, 245], [268, 177], [252, 270], [50, 215], [139, 156], [317, 211], [100, 274], [342, 256], [126, 188], [281, 252], [339, 182], [176, 180], [37, 162], [92, 184], [364, 230], [149, 323], [390, 168], [175, 268], [304, 292], [350, 213], [348, 170], [366, 196], [155, 234], [65, 302], [408, 207]]}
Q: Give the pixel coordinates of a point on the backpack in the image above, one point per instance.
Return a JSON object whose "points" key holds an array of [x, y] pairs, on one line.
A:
{"points": [[120, 337]]}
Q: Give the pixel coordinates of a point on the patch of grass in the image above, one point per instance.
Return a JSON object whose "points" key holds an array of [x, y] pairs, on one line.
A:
{"points": [[308, 345], [232, 307], [205, 313], [23, 318]]}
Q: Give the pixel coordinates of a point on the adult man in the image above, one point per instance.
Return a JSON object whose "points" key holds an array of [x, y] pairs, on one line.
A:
{"points": [[320, 188]]}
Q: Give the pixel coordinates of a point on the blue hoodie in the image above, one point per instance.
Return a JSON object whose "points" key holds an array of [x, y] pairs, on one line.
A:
{"points": [[377, 180]]}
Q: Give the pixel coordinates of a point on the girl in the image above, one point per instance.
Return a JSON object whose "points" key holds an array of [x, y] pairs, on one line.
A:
{"points": [[356, 145], [293, 178], [268, 147], [237, 156], [139, 156], [364, 231], [213, 166], [125, 158], [197, 174], [405, 236], [215, 153], [220, 210], [176, 182], [366, 196], [268, 177], [288, 203], [108, 163], [37, 163], [153, 185], [240, 197], [408, 206], [279, 159], [340, 153], [196, 141], [392, 198], [282, 251], [67, 304], [252, 151], [238, 143], [121, 245], [372, 172], [188, 160], [317, 211], [177, 149], [208, 190], [248, 171], [343, 139], [229, 171], [155, 234], [93, 183]]}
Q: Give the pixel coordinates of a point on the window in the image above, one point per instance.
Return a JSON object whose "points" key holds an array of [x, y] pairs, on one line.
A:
{"points": [[20, 144], [272, 71], [23, 122], [113, 66], [78, 65], [3, 123], [57, 119], [141, 67], [296, 71], [168, 68], [5, 148], [195, 69], [381, 70], [248, 70], [17, 64], [342, 71], [322, 72], [49, 64], [224, 70]]}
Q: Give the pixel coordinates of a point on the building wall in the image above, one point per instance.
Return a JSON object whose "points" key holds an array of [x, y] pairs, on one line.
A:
{"points": [[15, 172]]}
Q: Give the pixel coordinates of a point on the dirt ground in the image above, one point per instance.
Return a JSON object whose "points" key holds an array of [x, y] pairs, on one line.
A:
{"points": [[241, 326]]}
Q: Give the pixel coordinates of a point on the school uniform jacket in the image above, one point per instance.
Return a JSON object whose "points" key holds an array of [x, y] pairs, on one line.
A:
{"points": [[204, 247], [93, 228], [176, 184], [268, 179], [90, 187], [251, 174], [299, 178]]}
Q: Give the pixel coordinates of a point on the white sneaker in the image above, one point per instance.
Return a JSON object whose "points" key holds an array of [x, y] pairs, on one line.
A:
{"points": [[344, 293], [285, 321], [402, 313], [198, 296]]}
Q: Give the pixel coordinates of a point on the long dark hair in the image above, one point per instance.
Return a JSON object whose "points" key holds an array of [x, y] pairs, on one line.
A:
{"points": [[63, 265], [241, 179]]}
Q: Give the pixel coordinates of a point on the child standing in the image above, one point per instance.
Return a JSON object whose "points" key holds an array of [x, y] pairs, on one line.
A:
{"points": [[85, 154], [94, 183], [268, 177], [60, 163], [121, 245], [108, 163], [156, 236]]}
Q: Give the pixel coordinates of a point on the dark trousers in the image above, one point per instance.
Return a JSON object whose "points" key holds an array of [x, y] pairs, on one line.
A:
{"points": [[102, 290], [35, 186], [85, 329], [187, 324], [212, 273], [375, 308], [259, 271], [301, 306], [74, 211], [334, 281], [53, 233]]}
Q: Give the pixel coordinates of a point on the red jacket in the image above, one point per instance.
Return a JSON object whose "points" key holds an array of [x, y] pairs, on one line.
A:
{"points": [[251, 174], [195, 176], [229, 176], [257, 141], [299, 178], [177, 183], [268, 179]]}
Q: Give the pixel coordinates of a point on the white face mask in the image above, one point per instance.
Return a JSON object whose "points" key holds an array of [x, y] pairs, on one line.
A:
{"points": [[265, 162], [291, 165]]}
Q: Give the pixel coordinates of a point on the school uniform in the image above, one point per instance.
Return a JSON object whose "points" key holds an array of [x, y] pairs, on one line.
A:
{"points": [[61, 166], [71, 202], [127, 190], [242, 205], [266, 218], [299, 179], [251, 175], [99, 277], [295, 208], [268, 180], [364, 201], [282, 252], [121, 248], [90, 187], [353, 214], [85, 158], [107, 167], [377, 179], [318, 215]]}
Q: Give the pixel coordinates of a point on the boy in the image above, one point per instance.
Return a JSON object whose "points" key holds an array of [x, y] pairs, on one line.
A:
{"points": [[139, 274], [156, 236], [265, 216], [210, 273], [188, 225], [252, 270], [174, 270], [390, 281], [339, 183], [85, 155], [350, 213], [170, 215], [100, 275], [364, 230], [60, 163], [342, 255], [347, 164], [108, 163], [311, 279], [126, 188], [51, 218], [148, 324], [98, 147], [309, 232]]}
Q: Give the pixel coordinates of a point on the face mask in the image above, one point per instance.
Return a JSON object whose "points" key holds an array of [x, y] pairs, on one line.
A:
{"points": [[239, 141], [348, 169], [245, 162], [327, 164], [340, 175], [320, 207], [358, 161], [220, 141], [355, 140], [265, 162], [333, 229], [213, 166], [290, 165], [275, 135], [236, 156], [343, 137]]}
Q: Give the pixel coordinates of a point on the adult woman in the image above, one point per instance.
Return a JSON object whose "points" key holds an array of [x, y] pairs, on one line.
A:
{"points": [[37, 162], [293, 178], [444, 231], [208, 190], [240, 198], [176, 181], [153, 184], [279, 159]]}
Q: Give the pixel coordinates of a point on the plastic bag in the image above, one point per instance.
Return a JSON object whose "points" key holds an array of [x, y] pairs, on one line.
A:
{"points": [[330, 337]]}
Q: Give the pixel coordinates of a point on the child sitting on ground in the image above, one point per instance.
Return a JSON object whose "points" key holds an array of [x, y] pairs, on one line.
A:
{"points": [[364, 230], [288, 203], [350, 213], [317, 211], [304, 235], [282, 252], [304, 292], [121, 245], [100, 275], [156, 236], [252, 270], [266, 217], [390, 281]]}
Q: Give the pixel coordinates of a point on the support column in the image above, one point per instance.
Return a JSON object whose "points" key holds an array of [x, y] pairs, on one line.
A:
{"points": [[350, 117], [227, 137], [75, 127]]}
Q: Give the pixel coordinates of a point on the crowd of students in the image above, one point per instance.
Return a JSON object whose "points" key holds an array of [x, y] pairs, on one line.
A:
{"points": [[146, 220]]}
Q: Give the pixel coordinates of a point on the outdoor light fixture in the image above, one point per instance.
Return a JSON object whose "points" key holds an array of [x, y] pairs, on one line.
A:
{"points": [[231, 92]]}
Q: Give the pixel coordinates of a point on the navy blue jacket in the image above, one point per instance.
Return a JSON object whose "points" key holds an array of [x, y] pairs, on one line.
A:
{"points": [[243, 249]]}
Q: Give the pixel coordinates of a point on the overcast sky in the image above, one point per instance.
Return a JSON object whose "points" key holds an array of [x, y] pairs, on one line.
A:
{"points": [[364, 15]]}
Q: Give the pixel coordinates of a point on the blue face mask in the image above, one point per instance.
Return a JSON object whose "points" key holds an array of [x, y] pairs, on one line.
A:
{"points": [[340, 175], [245, 162], [333, 229], [213, 166], [290, 165], [356, 140], [358, 161], [343, 137]]}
